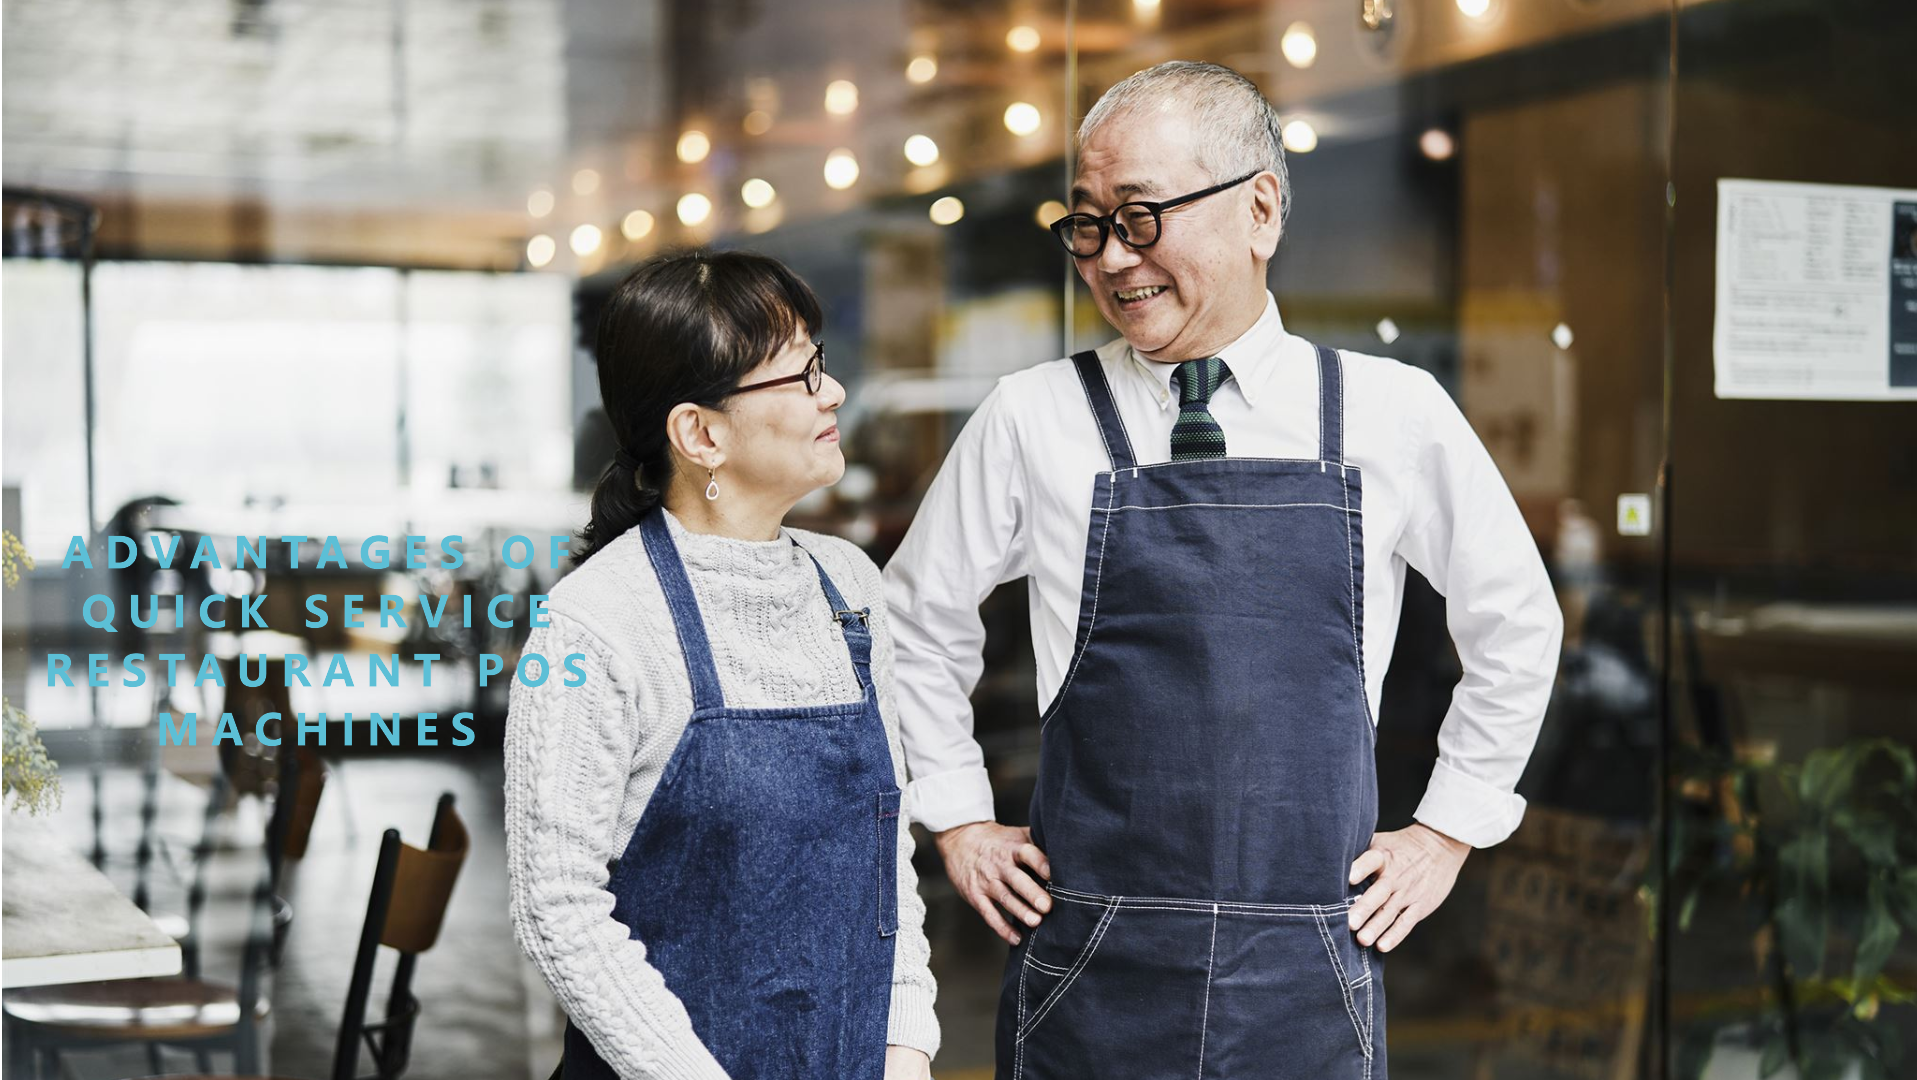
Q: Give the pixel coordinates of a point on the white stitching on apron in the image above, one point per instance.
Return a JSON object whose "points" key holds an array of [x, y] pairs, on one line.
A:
{"points": [[1078, 968], [1086, 645], [1204, 1021], [1238, 506], [1351, 1006]]}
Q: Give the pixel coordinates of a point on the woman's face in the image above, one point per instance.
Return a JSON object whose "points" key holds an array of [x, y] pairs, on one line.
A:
{"points": [[783, 441]]}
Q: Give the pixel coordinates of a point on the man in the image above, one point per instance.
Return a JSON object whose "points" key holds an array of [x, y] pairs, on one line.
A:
{"points": [[1216, 517]]}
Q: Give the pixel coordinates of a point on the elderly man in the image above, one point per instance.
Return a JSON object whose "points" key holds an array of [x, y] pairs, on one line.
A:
{"points": [[1216, 517]]}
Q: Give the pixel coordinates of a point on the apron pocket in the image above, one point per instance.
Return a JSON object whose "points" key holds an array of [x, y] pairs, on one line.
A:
{"points": [[1351, 964], [1114, 987], [889, 862], [1056, 953]]}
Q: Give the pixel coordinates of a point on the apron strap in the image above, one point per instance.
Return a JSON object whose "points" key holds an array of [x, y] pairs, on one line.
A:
{"points": [[1331, 405], [1111, 429], [671, 571], [854, 623]]}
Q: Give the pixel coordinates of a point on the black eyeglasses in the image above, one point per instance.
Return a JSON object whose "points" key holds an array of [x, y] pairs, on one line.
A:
{"points": [[813, 376], [1136, 223]]}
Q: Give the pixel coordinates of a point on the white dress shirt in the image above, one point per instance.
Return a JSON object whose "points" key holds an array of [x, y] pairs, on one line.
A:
{"points": [[1013, 499]]}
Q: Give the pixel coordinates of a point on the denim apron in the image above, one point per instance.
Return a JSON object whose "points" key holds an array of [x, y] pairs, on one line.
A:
{"points": [[1206, 778], [762, 876]]}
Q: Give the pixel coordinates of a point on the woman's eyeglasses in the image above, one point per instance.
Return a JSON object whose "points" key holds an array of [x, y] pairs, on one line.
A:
{"points": [[813, 376]]}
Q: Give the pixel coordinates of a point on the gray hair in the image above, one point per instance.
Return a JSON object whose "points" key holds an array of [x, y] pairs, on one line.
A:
{"points": [[1236, 129]]}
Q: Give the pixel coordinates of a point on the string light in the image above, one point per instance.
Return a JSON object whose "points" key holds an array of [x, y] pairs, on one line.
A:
{"points": [[947, 210], [1022, 118], [841, 169], [921, 150]]}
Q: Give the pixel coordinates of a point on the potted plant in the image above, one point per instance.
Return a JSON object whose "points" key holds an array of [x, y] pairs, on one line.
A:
{"points": [[1823, 854]]}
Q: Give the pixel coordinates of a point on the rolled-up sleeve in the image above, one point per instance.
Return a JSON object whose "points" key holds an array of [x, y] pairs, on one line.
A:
{"points": [[967, 539], [1464, 533]]}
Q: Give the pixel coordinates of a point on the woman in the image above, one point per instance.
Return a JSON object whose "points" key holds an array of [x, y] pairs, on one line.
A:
{"points": [[708, 861]]}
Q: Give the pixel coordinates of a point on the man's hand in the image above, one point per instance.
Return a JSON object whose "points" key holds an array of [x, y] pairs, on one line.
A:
{"points": [[905, 1063], [1416, 868], [987, 862]]}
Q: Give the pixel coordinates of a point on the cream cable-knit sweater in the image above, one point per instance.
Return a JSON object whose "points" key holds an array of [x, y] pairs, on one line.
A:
{"points": [[581, 762]]}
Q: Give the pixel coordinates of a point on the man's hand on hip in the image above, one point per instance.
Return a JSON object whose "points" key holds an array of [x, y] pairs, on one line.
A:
{"points": [[1416, 869], [988, 863]]}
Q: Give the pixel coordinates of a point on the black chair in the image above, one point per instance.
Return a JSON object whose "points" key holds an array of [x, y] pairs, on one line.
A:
{"points": [[411, 889]]}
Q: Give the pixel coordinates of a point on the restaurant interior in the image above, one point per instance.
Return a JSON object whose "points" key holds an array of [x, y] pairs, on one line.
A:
{"points": [[318, 268]]}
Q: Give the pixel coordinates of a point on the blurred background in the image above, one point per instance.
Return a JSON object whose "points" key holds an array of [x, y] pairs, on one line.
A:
{"points": [[293, 267]]}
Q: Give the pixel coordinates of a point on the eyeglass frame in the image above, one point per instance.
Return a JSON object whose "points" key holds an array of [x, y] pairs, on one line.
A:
{"points": [[1108, 224], [813, 376]]}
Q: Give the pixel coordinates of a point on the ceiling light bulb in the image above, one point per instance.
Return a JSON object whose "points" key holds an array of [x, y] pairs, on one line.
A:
{"points": [[841, 169], [921, 150], [1022, 118], [757, 193], [1299, 45], [694, 209], [841, 98], [694, 146], [947, 210]]}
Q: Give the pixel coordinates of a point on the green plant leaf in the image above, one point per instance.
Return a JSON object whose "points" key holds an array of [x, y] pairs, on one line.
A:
{"points": [[1879, 937], [1902, 757], [1873, 834], [1802, 913], [1825, 775], [1903, 897]]}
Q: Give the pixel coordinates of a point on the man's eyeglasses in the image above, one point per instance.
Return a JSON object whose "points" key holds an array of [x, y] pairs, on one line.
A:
{"points": [[813, 376], [1136, 223]]}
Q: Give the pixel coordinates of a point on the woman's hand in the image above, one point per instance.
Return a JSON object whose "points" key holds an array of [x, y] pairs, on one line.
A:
{"points": [[905, 1063]]}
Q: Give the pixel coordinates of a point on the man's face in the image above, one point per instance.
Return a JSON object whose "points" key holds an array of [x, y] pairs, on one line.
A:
{"points": [[1188, 293]]}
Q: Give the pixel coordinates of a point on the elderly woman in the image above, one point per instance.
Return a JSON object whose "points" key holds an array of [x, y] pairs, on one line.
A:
{"points": [[708, 860]]}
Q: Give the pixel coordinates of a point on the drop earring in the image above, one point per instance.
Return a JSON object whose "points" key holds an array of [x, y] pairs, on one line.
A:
{"points": [[712, 486]]}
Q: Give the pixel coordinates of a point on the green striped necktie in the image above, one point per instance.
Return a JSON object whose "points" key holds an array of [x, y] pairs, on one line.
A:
{"points": [[1196, 435]]}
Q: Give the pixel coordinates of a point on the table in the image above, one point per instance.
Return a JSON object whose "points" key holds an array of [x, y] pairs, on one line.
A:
{"points": [[64, 922]]}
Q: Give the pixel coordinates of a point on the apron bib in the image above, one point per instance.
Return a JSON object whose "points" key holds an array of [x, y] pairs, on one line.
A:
{"points": [[763, 875], [1206, 779]]}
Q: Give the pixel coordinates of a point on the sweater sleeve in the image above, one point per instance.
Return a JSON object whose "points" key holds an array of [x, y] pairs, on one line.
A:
{"points": [[568, 752], [913, 1021]]}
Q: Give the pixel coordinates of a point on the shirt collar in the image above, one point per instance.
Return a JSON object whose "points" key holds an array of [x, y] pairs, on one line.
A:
{"points": [[1252, 359]]}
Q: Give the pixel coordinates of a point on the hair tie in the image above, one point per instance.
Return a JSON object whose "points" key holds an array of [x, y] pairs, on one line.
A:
{"points": [[623, 458]]}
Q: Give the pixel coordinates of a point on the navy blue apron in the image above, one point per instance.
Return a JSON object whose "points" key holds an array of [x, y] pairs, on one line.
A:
{"points": [[1206, 778], [763, 875]]}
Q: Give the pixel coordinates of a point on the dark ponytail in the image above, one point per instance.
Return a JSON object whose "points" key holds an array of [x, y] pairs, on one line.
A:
{"points": [[682, 327]]}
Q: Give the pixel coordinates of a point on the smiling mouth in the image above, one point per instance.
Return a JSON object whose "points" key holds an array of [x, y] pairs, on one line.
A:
{"points": [[1127, 296], [831, 433]]}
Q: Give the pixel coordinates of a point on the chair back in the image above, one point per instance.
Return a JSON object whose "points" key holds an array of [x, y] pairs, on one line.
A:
{"points": [[411, 889]]}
